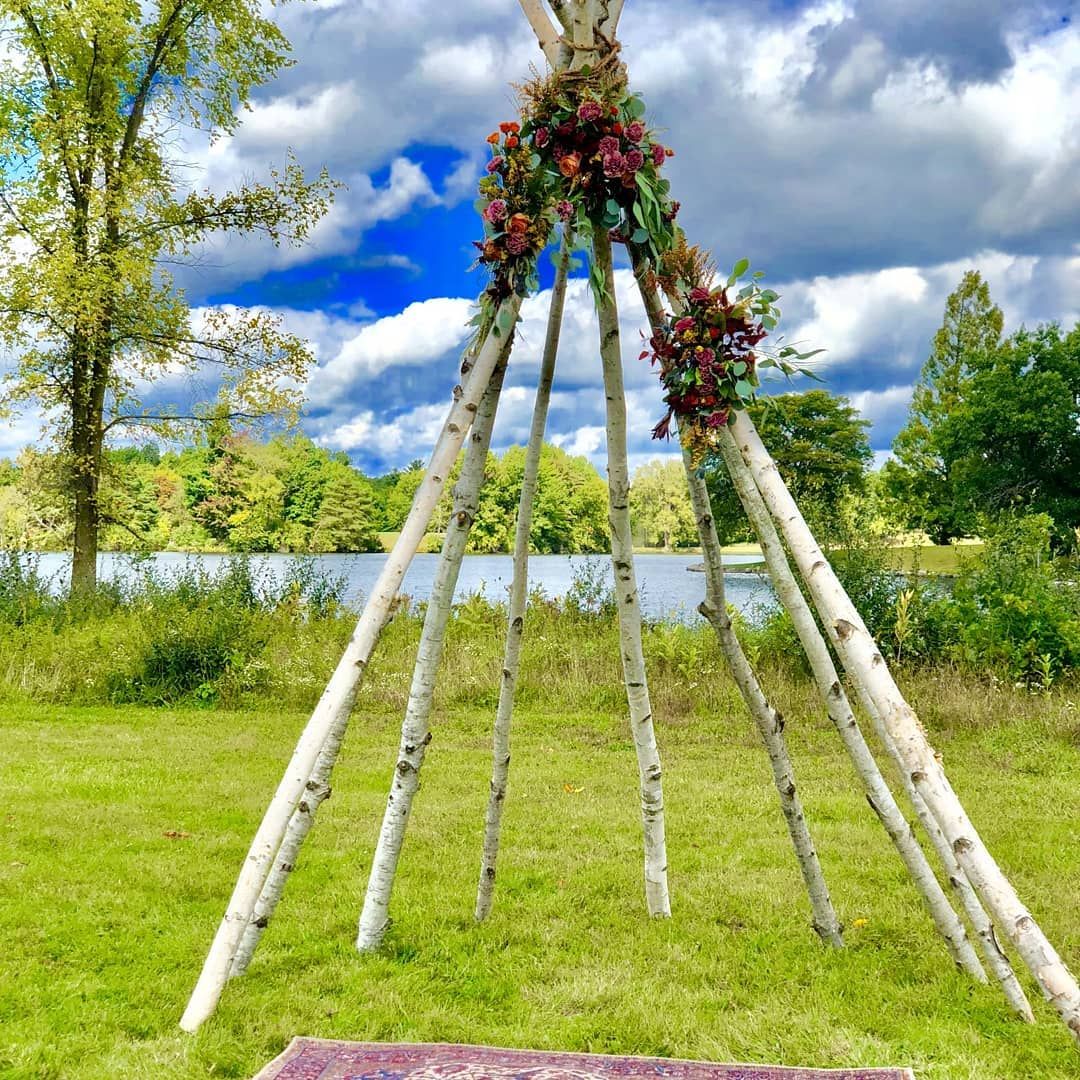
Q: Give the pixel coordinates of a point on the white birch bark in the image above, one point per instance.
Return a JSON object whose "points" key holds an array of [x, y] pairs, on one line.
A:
{"points": [[335, 704], [626, 590], [416, 728], [515, 629], [827, 680], [991, 949], [769, 722], [542, 27], [862, 659]]}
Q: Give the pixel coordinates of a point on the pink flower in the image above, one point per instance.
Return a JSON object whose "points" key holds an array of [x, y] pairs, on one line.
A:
{"points": [[495, 164], [608, 145], [516, 244], [495, 210], [635, 131], [540, 136], [634, 159], [614, 164], [699, 295], [684, 324], [565, 209], [658, 154], [589, 111], [706, 357]]}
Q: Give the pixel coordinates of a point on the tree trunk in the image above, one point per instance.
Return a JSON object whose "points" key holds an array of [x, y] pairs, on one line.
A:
{"points": [[515, 629], [877, 791], [861, 658], [86, 447], [332, 712], [626, 590], [416, 729], [769, 722]]}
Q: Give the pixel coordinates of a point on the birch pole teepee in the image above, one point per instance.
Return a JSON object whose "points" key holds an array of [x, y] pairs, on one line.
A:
{"points": [[334, 706], [769, 722], [864, 662], [519, 588], [626, 590], [416, 727]]}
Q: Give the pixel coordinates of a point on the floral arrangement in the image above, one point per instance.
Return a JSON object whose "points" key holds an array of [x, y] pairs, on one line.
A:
{"points": [[592, 142], [710, 354], [518, 209]]}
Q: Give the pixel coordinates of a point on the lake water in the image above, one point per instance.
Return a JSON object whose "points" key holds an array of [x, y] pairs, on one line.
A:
{"points": [[669, 589]]}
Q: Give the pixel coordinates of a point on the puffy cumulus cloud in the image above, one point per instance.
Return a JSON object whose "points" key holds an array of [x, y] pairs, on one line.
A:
{"points": [[817, 159], [224, 261], [876, 327], [424, 332], [828, 137]]}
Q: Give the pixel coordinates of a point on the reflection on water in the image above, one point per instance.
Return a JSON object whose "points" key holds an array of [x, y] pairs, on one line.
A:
{"points": [[669, 589]]}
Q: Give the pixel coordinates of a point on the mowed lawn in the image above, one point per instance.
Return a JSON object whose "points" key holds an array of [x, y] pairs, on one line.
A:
{"points": [[122, 830]]}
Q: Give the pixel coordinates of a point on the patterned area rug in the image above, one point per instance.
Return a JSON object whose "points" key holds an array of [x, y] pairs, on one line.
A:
{"points": [[322, 1059]]}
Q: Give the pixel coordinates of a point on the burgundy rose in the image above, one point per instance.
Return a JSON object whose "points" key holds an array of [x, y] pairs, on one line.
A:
{"points": [[608, 145], [658, 155], [516, 244], [540, 136], [685, 323], [614, 165], [635, 131], [495, 164], [565, 129], [495, 211], [589, 111], [699, 295], [634, 160], [565, 209]]}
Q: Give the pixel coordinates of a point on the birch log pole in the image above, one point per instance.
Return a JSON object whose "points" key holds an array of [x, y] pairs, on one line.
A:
{"points": [[416, 727], [827, 680], [316, 792], [769, 722], [861, 658], [515, 628], [332, 711], [626, 590]]}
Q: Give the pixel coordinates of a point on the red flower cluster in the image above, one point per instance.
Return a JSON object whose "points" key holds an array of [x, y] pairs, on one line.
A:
{"points": [[708, 365], [594, 148]]}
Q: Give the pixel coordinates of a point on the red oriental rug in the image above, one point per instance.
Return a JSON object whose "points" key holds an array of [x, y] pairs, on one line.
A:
{"points": [[323, 1059]]}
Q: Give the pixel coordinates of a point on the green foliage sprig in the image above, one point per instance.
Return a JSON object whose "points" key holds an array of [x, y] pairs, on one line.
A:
{"points": [[711, 352]]}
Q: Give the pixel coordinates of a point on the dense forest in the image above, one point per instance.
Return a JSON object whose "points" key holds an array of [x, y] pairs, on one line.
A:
{"points": [[232, 492]]}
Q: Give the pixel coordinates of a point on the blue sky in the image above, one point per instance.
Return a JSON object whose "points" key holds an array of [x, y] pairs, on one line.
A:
{"points": [[864, 154]]}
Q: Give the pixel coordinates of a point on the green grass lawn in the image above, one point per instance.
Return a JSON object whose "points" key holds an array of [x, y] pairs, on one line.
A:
{"points": [[122, 831]]}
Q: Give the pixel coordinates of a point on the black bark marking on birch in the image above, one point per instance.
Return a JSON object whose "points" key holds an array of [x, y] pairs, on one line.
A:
{"points": [[405, 767], [962, 845], [489, 872], [834, 690], [458, 390], [518, 624], [303, 807], [470, 406], [778, 721], [286, 867], [844, 629], [262, 922], [917, 776], [789, 791]]}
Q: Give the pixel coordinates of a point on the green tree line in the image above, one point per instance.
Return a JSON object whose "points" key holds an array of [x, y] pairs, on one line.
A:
{"points": [[231, 492]]}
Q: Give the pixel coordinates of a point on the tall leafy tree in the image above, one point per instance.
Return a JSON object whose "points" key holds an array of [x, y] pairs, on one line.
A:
{"points": [[820, 446], [1013, 437], [93, 201], [660, 505], [921, 478]]}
